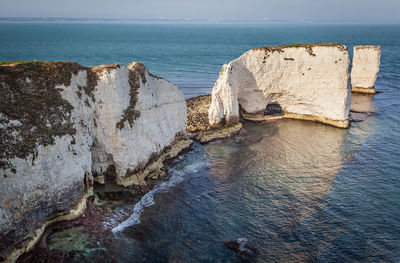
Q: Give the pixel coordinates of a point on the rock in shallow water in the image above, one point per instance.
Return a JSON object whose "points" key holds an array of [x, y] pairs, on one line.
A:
{"points": [[243, 247]]}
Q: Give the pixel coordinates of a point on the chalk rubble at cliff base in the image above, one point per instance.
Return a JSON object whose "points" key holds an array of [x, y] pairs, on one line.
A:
{"points": [[198, 125], [365, 69], [62, 124]]}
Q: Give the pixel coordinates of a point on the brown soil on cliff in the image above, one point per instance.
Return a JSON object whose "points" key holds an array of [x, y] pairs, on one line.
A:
{"points": [[197, 113], [308, 47], [32, 110], [29, 96]]}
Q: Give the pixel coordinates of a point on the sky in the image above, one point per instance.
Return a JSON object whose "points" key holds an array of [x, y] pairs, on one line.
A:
{"points": [[355, 11]]}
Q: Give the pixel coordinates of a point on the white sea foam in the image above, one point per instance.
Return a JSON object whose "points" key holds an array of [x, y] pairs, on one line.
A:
{"points": [[148, 199]]}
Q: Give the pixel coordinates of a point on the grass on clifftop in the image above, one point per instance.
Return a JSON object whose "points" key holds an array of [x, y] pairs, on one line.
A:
{"points": [[13, 62], [310, 45]]}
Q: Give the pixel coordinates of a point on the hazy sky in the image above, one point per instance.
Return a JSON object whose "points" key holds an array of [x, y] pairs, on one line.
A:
{"points": [[374, 11]]}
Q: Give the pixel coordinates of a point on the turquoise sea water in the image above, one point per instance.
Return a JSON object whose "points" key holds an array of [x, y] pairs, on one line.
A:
{"points": [[301, 191]]}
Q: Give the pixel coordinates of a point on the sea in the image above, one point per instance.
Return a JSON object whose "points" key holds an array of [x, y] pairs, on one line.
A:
{"points": [[298, 191]]}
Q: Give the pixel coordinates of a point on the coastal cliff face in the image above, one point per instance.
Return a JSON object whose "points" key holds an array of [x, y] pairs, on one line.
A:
{"points": [[61, 123], [138, 116], [306, 81], [365, 69]]}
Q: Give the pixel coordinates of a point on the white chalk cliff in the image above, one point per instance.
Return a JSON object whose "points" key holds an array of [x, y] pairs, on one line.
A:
{"points": [[159, 114], [307, 81], [62, 123], [365, 69]]}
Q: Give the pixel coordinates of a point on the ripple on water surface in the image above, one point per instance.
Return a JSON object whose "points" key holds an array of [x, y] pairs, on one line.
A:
{"points": [[299, 191]]}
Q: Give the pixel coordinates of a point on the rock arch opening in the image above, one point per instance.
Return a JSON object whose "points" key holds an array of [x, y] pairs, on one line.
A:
{"points": [[273, 109]]}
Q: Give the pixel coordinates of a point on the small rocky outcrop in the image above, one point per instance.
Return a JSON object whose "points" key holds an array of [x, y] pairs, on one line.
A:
{"points": [[199, 126], [307, 81], [365, 69], [63, 125], [197, 113], [243, 247]]}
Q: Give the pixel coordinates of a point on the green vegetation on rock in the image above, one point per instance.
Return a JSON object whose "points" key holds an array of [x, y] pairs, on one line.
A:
{"points": [[32, 110]]}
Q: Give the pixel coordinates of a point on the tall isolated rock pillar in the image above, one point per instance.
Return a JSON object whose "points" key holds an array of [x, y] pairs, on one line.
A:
{"points": [[366, 61]]}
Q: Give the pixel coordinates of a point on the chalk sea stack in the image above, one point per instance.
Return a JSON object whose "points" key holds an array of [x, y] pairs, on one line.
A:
{"points": [[365, 69], [307, 81], [63, 125]]}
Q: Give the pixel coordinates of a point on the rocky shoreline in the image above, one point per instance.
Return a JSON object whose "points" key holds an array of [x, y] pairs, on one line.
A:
{"points": [[198, 125], [65, 127]]}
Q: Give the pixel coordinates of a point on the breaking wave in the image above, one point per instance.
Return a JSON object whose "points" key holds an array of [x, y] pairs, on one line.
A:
{"points": [[148, 199]]}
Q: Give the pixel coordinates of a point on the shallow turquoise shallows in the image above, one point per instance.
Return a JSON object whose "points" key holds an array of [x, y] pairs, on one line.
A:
{"points": [[300, 191]]}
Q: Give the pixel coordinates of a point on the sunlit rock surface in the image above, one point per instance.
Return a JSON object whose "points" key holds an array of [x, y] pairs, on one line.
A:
{"points": [[365, 69], [155, 112], [62, 123], [198, 125], [306, 81]]}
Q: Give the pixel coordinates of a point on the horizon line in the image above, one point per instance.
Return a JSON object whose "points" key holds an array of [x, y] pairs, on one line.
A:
{"points": [[45, 19]]}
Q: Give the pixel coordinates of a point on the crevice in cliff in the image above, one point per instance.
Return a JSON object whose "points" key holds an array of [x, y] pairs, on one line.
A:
{"points": [[131, 114]]}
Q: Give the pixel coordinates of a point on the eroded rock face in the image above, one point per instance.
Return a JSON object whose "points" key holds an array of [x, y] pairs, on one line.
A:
{"points": [[153, 112], [306, 81], [45, 146], [61, 123], [365, 69]]}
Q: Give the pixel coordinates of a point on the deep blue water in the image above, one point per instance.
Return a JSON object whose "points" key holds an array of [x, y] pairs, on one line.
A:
{"points": [[303, 192], [190, 56]]}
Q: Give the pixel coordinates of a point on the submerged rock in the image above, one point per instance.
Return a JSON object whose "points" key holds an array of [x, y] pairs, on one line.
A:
{"points": [[218, 132], [307, 81], [63, 125], [243, 247], [366, 61]]}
